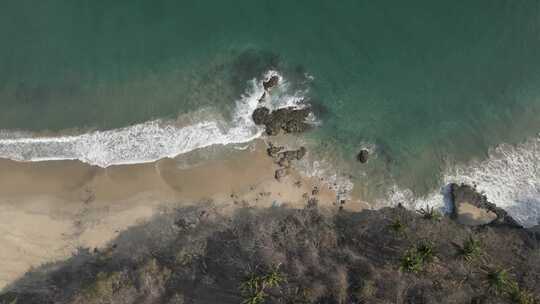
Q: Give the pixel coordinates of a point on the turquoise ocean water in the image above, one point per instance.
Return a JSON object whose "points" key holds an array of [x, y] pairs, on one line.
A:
{"points": [[439, 90]]}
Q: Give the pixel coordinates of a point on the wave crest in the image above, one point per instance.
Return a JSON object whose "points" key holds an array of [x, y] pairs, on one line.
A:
{"points": [[509, 177], [149, 141]]}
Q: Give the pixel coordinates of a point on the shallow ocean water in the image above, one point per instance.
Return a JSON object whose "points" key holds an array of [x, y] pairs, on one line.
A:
{"points": [[429, 86]]}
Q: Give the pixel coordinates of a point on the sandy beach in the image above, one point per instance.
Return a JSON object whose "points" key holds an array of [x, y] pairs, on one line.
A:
{"points": [[49, 209]]}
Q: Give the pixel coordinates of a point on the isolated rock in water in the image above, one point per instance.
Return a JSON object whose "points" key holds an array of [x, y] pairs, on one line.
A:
{"points": [[300, 153], [261, 116], [270, 83], [472, 208], [363, 156]]}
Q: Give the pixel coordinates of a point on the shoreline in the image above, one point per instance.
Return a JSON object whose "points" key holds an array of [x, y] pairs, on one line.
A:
{"points": [[49, 209]]}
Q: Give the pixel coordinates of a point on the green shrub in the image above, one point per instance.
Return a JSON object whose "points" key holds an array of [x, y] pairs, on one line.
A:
{"points": [[471, 249], [520, 296], [254, 287], [417, 257], [429, 213], [426, 251], [498, 280], [397, 227]]}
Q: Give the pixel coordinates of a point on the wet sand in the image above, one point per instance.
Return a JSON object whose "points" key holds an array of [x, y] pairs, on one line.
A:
{"points": [[48, 209]]}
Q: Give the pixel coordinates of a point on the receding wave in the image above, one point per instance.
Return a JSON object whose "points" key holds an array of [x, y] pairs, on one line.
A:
{"points": [[151, 140], [510, 178]]}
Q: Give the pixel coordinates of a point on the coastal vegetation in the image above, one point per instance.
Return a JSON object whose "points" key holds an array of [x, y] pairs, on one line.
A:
{"points": [[280, 255], [471, 249]]}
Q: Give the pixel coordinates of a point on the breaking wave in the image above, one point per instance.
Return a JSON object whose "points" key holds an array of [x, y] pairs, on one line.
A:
{"points": [[509, 177], [153, 140]]}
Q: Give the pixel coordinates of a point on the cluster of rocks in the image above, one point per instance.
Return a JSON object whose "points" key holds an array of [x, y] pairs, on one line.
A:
{"points": [[472, 208], [289, 120], [284, 158]]}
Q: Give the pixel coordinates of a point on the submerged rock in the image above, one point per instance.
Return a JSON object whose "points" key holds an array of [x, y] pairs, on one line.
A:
{"points": [[363, 156], [270, 83], [472, 208]]}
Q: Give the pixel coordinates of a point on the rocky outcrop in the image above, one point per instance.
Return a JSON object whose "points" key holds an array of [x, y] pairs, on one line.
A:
{"points": [[293, 154], [271, 82], [289, 120], [363, 156], [261, 116], [473, 208], [284, 158], [273, 151], [535, 231]]}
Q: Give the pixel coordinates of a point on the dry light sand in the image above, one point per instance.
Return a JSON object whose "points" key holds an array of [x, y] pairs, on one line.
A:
{"points": [[48, 209]]}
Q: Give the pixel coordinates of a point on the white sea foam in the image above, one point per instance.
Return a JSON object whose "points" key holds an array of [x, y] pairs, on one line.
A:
{"points": [[510, 178], [148, 141]]}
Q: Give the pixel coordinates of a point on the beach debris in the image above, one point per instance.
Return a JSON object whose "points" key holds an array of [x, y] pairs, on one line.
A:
{"points": [[472, 208], [363, 156], [271, 82]]}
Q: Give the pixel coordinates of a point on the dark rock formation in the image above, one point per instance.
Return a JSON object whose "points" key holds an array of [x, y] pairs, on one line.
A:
{"points": [[291, 155], [263, 96], [288, 155], [535, 231], [270, 83], [300, 153], [363, 156], [290, 120], [261, 116], [465, 194], [273, 151]]}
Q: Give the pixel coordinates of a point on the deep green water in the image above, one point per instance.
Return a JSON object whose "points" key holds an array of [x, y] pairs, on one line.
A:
{"points": [[427, 82]]}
